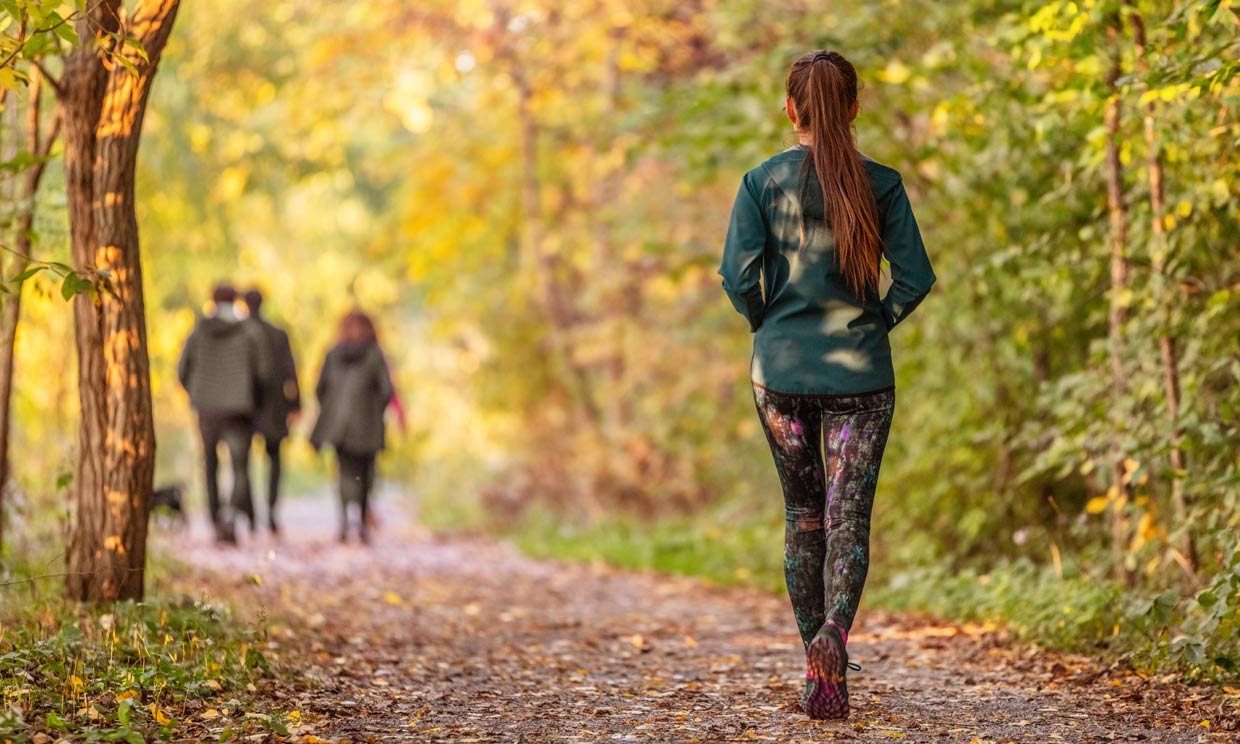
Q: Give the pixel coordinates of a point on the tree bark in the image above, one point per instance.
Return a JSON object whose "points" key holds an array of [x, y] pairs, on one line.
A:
{"points": [[8, 190], [1166, 342], [40, 145], [1117, 209], [104, 104]]}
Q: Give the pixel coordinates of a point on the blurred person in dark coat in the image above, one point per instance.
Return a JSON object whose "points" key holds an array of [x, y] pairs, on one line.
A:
{"points": [[354, 390], [224, 368], [280, 399]]}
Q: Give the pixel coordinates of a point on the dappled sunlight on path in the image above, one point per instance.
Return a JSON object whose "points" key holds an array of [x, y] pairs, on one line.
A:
{"points": [[464, 640]]}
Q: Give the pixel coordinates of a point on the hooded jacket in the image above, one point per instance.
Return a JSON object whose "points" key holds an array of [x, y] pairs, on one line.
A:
{"points": [[223, 367], [354, 389]]}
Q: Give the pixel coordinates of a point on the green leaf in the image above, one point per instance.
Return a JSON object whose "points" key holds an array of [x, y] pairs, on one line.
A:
{"points": [[11, 7], [122, 712], [67, 33], [121, 60], [56, 722], [29, 272], [69, 288], [137, 47], [36, 46]]}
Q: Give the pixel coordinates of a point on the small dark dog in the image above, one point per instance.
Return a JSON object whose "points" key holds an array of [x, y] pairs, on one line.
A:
{"points": [[168, 502]]}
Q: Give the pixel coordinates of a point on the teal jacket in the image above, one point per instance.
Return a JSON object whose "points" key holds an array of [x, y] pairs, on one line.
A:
{"points": [[812, 335]]}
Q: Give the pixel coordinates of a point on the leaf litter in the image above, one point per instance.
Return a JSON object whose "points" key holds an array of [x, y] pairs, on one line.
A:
{"points": [[428, 639]]}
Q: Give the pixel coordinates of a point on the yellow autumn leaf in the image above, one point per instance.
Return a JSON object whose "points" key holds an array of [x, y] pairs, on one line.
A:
{"points": [[209, 713], [1097, 505], [392, 598], [895, 72], [126, 695], [1146, 527], [8, 79], [158, 715]]}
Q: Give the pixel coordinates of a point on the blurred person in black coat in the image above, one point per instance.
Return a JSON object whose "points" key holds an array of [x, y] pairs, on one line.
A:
{"points": [[354, 390], [279, 400]]}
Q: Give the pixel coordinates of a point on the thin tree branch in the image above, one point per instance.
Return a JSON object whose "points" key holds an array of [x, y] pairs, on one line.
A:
{"points": [[51, 79]]}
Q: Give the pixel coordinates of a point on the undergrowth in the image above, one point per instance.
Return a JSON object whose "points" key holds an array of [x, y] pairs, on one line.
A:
{"points": [[168, 668]]}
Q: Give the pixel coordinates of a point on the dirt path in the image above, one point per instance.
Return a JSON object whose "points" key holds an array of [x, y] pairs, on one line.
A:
{"points": [[418, 639]]}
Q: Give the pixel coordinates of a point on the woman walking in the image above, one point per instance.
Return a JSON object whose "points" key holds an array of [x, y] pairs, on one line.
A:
{"points": [[354, 389], [810, 227]]}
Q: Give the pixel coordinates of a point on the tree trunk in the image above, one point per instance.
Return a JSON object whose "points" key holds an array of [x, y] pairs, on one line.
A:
{"points": [[1166, 341], [1117, 210], [104, 104], [39, 144], [8, 150]]}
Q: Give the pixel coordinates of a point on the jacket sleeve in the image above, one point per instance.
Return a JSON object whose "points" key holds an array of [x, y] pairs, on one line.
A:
{"points": [[386, 389], [185, 365], [742, 256], [911, 273], [288, 374], [264, 364], [321, 387]]}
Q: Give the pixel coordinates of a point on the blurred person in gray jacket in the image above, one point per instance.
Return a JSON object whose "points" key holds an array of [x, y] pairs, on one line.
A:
{"points": [[224, 368]]}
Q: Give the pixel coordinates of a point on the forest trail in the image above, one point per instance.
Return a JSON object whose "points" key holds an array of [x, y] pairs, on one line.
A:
{"points": [[423, 639]]}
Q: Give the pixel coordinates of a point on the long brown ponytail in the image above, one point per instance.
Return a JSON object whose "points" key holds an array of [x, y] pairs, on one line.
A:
{"points": [[823, 89]]}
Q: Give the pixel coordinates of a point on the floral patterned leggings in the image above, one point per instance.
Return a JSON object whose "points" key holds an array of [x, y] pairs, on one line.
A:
{"points": [[827, 504]]}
